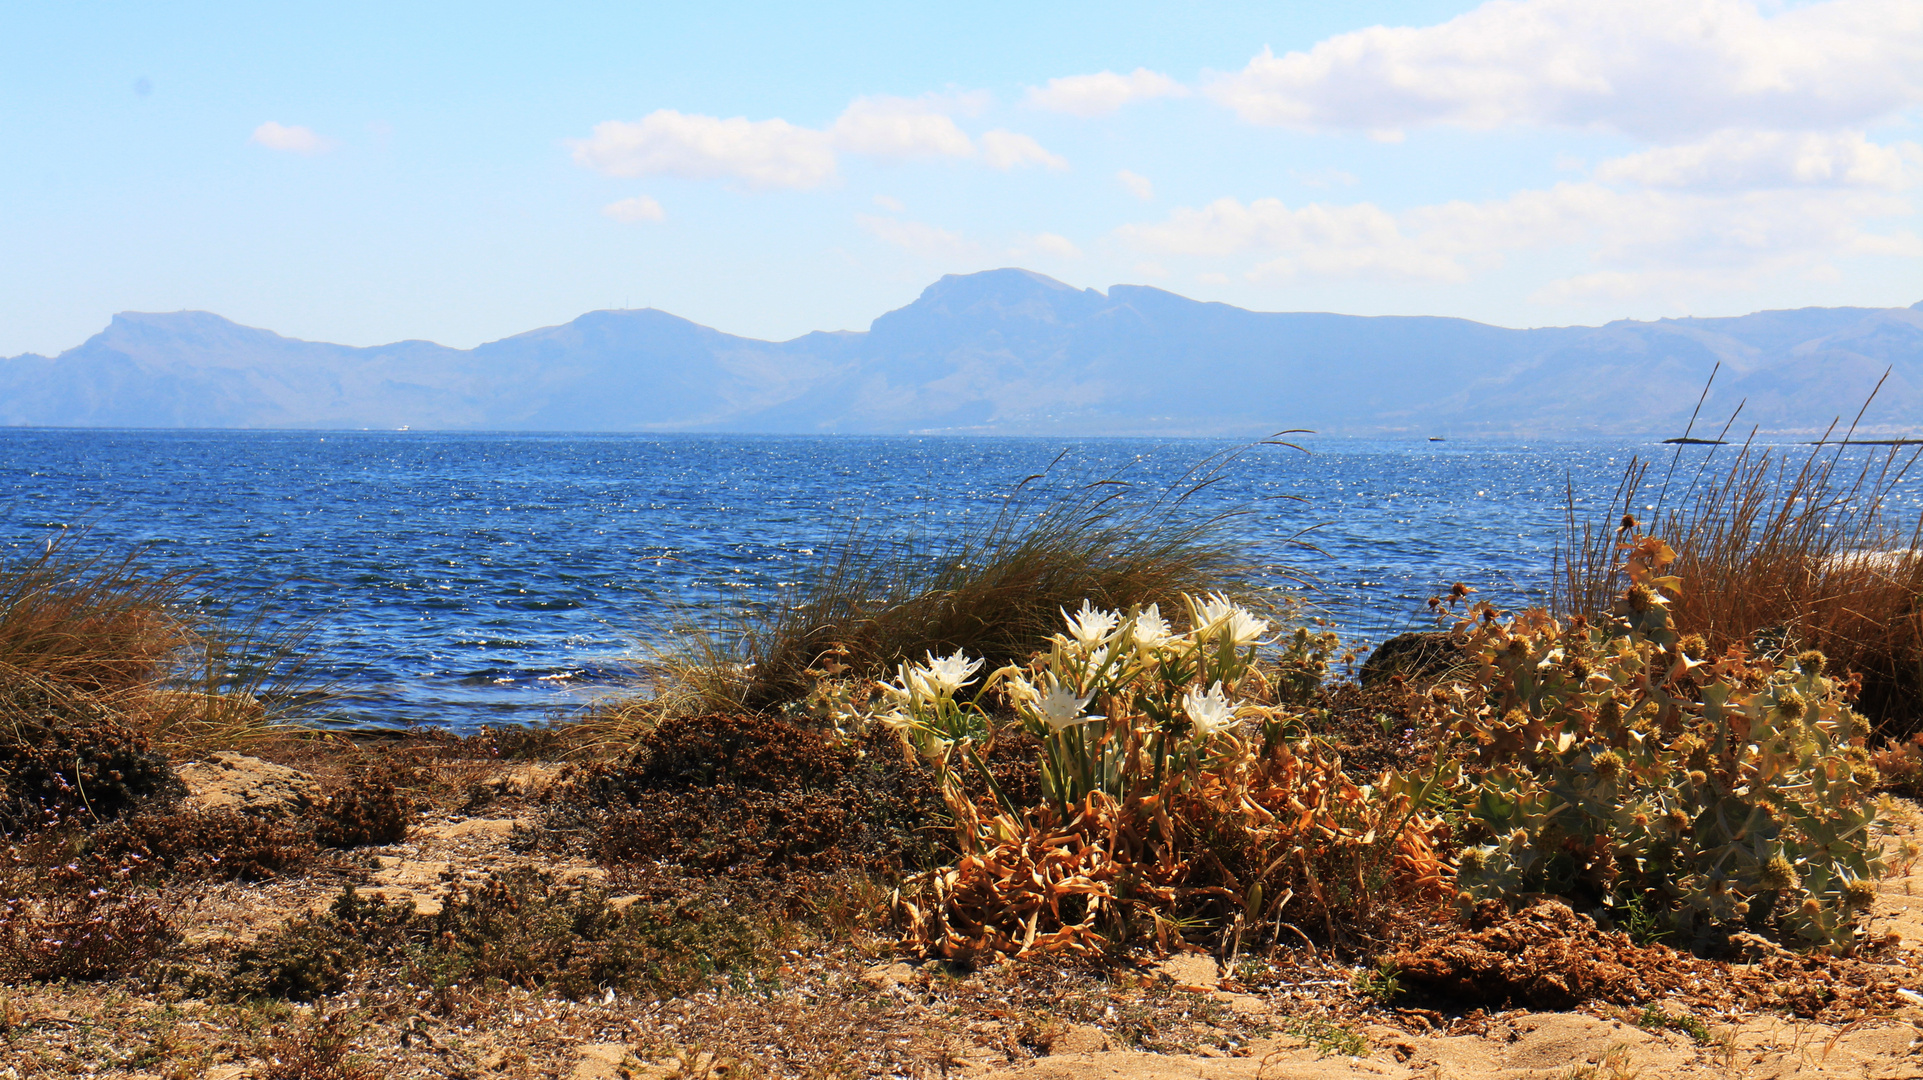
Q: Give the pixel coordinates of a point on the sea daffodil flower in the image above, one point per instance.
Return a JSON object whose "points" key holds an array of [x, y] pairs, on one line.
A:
{"points": [[1059, 707], [947, 674], [1211, 712], [1091, 625]]}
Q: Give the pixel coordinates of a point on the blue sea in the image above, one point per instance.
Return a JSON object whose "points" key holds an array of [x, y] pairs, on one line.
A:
{"points": [[468, 579]]}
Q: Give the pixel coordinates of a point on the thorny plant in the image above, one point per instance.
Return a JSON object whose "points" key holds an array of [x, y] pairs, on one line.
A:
{"points": [[1612, 758]]}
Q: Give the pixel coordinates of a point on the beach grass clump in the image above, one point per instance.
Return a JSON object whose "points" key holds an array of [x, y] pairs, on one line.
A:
{"points": [[1785, 552], [992, 590], [158, 652], [1623, 765]]}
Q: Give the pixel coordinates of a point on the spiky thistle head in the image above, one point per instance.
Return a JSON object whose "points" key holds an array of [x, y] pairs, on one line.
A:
{"points": [[1779, 874]]}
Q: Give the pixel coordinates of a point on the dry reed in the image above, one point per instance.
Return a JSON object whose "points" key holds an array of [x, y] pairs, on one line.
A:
{"points": [[993, 591], [153, 649], [1779, 549]]}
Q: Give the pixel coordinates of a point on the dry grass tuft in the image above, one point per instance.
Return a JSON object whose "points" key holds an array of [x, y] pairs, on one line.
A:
{"points": [[157, 652], [1784, 551], [992, 591]]}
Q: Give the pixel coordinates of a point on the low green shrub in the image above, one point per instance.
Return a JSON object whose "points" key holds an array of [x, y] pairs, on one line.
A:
{"points": [[524, 928], [521, 927], [371, 808], [311, 956], [67, 758], [202, 844], [1611, 762], [70, 920]]}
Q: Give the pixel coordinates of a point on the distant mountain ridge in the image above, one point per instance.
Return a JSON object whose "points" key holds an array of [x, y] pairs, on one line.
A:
{"points": [[1003, 352]]}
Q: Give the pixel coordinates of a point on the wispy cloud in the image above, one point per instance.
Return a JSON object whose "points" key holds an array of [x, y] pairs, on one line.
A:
{"points": [[899, 128], [1137, 184], [777, 154], [917, 238], [1103, 92], [292, 139], [1006, 150], [637, 209], [761, 153], [1708, 234], [1737, 160]]}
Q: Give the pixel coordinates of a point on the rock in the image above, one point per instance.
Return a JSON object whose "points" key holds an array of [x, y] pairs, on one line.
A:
{"points": [[1079, 1039], [1196, 970], [1419, 657], [605, 1061], [889, 976], [230, 781]]}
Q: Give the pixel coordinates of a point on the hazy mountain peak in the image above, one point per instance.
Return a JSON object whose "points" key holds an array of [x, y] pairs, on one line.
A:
{"points": [[1003, 351]]}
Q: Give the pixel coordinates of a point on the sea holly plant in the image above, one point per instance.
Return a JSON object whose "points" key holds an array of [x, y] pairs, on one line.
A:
{"points": [[1609, 761]]}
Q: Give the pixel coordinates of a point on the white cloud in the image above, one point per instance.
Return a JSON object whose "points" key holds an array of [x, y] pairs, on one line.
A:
{"points": [[1658, 69], [1006, 150], [1103, 92], [1734, 160], [889, 202], [1352, 240], [1710, 234], [293, 139], [636, 209], [764, 153], [1138, 185], [778, 154], [917, 238], [893, 127], [1057, 245]]}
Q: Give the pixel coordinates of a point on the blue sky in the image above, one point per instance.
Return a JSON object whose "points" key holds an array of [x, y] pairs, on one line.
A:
{"points": [[367, 173]]}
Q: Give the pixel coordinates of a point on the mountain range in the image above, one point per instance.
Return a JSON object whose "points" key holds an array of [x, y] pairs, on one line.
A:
{"points": [[1004, 352]]}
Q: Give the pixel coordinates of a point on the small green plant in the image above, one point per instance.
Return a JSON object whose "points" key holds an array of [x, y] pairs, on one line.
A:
{"points": [[1381, 984], [1655, 1018], [309, 957], [1643, 926], [1327, 1038]]}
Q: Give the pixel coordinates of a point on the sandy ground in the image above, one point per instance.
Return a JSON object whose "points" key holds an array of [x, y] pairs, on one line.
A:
{"points": [[55, 1030]]}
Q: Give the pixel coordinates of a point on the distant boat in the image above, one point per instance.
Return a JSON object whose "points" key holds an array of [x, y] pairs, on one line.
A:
{"points": [[1695, 442], [1437, 438]]}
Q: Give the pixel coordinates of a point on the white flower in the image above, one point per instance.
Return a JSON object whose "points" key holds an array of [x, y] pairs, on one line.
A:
{"points": [[1244, 628], [1151, 630], [1020, 690], [912, 690], [1210, 611], [1212, 712], [1060, 708], [947, 674], [1091, 625]]}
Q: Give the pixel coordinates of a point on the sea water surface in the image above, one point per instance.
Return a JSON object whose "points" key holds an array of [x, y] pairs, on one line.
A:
{"points": [[467, 579]]}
